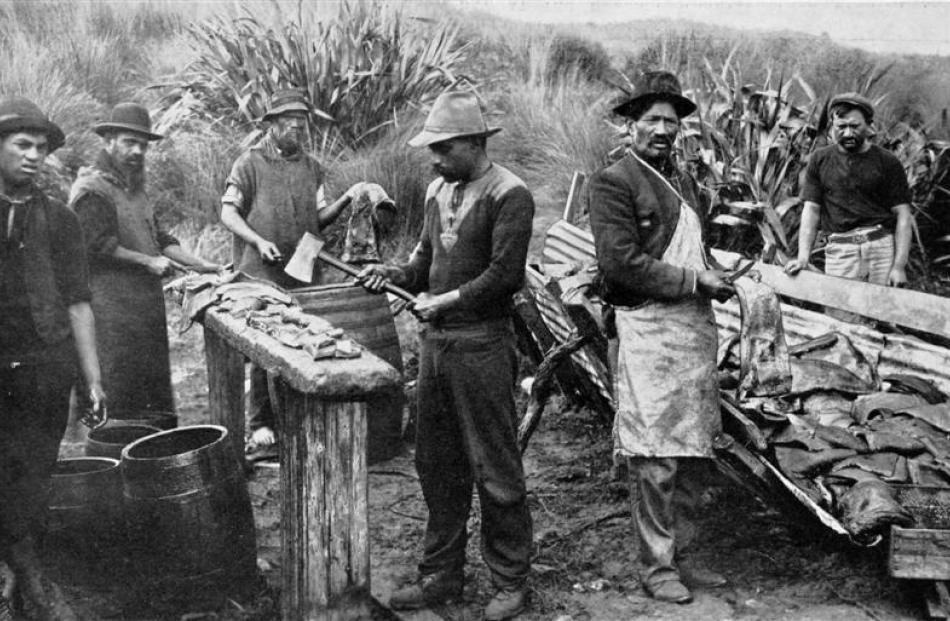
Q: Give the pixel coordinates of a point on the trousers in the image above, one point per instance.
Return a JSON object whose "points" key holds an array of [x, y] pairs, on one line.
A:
{"points": [[466, 435], [34, 410], [869, 261], [665, 494]]}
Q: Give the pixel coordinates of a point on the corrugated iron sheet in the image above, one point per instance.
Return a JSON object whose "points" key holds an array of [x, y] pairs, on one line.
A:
{"points": [[566, 243]]}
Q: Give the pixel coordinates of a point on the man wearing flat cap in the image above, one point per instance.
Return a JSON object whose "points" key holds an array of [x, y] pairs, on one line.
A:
{"points": [[46, 333], [648, 232], [129, 252], [856, 193], [467, 265], [273, 196]]}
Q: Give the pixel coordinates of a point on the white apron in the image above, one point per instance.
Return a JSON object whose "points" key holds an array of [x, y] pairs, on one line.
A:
{"points": [[666, 383]]}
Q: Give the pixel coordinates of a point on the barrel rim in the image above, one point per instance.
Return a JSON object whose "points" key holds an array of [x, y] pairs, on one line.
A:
{"points": [[110, 463], [96, 433], [129, 447]]}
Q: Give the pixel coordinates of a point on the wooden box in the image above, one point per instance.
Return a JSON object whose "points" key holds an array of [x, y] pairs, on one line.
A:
{"points": [[922, 552]]}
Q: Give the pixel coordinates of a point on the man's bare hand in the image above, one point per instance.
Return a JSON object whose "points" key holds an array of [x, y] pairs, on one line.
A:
{"points": [[794, 266], [159, 266], [375, 275], [710, 284], [95, 414], [429, 307], [268, 251], [897, 277]]}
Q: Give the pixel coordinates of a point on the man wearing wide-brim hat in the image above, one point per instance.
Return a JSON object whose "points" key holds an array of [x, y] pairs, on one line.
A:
{"points": [[646, 218], [47, 334], [129, 253], [857, 193], [273, 195], [467, 265]]}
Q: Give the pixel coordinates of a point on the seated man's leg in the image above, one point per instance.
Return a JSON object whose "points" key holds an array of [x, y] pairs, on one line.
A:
{"points": [[260, 413]]}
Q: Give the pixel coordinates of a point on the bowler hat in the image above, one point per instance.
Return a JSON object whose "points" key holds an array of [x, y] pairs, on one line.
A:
{"points": [[19, 114], [128, 117], [653, 86], [854, 100], [287, 100], [453, 114]]}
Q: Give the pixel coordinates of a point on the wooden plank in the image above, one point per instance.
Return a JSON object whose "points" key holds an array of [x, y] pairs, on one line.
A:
{"points": [[225, 389], [919, 553], [904, 307], [574, 207]]}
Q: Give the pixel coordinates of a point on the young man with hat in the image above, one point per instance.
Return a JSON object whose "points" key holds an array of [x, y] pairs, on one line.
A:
{"points": [[273, 196], [468, 263], [129, 252], [647, 224], [857, 193], [46, 330]]}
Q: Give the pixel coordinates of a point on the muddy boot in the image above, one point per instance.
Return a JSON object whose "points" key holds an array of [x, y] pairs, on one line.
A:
{"points": [[430, 590], [42, 597], [506, 604]]}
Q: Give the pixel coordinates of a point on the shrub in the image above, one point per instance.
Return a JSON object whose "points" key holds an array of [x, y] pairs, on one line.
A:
{"points": [[575, 55]]}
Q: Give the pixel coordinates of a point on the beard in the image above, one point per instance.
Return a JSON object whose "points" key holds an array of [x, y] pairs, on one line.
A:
{"points": [[134, 172], [288, 142]]}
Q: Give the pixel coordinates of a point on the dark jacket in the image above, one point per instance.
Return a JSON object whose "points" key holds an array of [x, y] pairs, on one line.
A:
{"points": [[633, 214]]}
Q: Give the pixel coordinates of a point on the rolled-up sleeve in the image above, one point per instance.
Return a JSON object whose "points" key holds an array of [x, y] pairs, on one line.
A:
{"points": [[629, 271], [99, 223]]}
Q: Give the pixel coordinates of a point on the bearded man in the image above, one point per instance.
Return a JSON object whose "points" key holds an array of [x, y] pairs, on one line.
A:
{"points": [[858, 194], [647, 224], [274, 195], [129, 252]]}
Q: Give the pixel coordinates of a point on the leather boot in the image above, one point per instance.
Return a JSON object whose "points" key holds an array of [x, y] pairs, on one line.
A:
{"points": [[699, 577], [429, 590], [506, 603], [41, 595], [672, 591]]}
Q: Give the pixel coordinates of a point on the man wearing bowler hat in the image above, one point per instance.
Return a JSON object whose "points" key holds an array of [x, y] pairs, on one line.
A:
{"points": [[858, 194], [129, 252], [46, 333], [273, 196], [468, 263], [648, 232]]}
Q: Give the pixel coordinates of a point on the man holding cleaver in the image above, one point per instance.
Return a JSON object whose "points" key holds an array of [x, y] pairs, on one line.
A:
{"points": [[468, 263], [274, 195]]}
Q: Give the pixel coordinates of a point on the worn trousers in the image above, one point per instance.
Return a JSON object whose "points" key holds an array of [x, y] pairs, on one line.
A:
{"points": [[665, 494], [466, 434], [34, 410], [869, 261]]}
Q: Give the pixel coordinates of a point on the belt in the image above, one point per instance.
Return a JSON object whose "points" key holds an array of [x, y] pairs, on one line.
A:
{"points": [[858, 238]]}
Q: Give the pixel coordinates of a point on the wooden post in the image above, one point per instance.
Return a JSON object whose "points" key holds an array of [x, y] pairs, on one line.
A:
{"points": [[324, 493], [226, 389]]}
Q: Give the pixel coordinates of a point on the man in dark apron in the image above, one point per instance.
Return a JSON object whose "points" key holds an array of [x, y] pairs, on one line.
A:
{"points": [[46, 334], [129, 252], [647, 226], [274, 195]]}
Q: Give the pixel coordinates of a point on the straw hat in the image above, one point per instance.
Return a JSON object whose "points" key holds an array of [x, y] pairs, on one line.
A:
{"points": [[453, 114], [19, 114], [128, 117], [653, 86]]}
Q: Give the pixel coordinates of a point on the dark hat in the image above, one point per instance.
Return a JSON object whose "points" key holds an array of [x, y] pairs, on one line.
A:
{"points": [[653, 86], [453, 115], [128, 117], [287, 100], [19, 114], [854, 100]]}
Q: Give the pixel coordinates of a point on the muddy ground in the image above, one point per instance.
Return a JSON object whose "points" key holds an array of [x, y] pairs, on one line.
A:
{"points": [[779, 566]]}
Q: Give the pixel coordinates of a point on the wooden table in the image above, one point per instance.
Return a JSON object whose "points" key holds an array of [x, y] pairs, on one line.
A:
{"points": [[325, 572]]}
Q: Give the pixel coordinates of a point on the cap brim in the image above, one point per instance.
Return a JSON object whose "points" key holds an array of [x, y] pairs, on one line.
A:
{"points": [[289, 107], [103, 128], [426, 138], [682, 106], [54, 134]]}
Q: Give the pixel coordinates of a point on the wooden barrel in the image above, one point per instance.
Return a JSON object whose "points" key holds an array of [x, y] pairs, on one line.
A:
{"points": [[189, 511], [109, 441], [367, 319], [85, 502], [152, 418]]}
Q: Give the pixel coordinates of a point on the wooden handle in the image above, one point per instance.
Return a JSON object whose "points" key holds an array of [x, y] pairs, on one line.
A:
{"points": [[353, 271]]}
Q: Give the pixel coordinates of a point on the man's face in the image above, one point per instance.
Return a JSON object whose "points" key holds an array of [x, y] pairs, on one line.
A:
{"points": [[655, 131], [288, 131], [455, 159], [21, 155], [128, 150], [850, 131]]}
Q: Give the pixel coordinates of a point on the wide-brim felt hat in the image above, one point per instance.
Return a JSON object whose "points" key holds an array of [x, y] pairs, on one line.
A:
{"points": [[453, 115], [20, 114], [855, 100], [128, 117], [287, 100], [653, 86]]}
